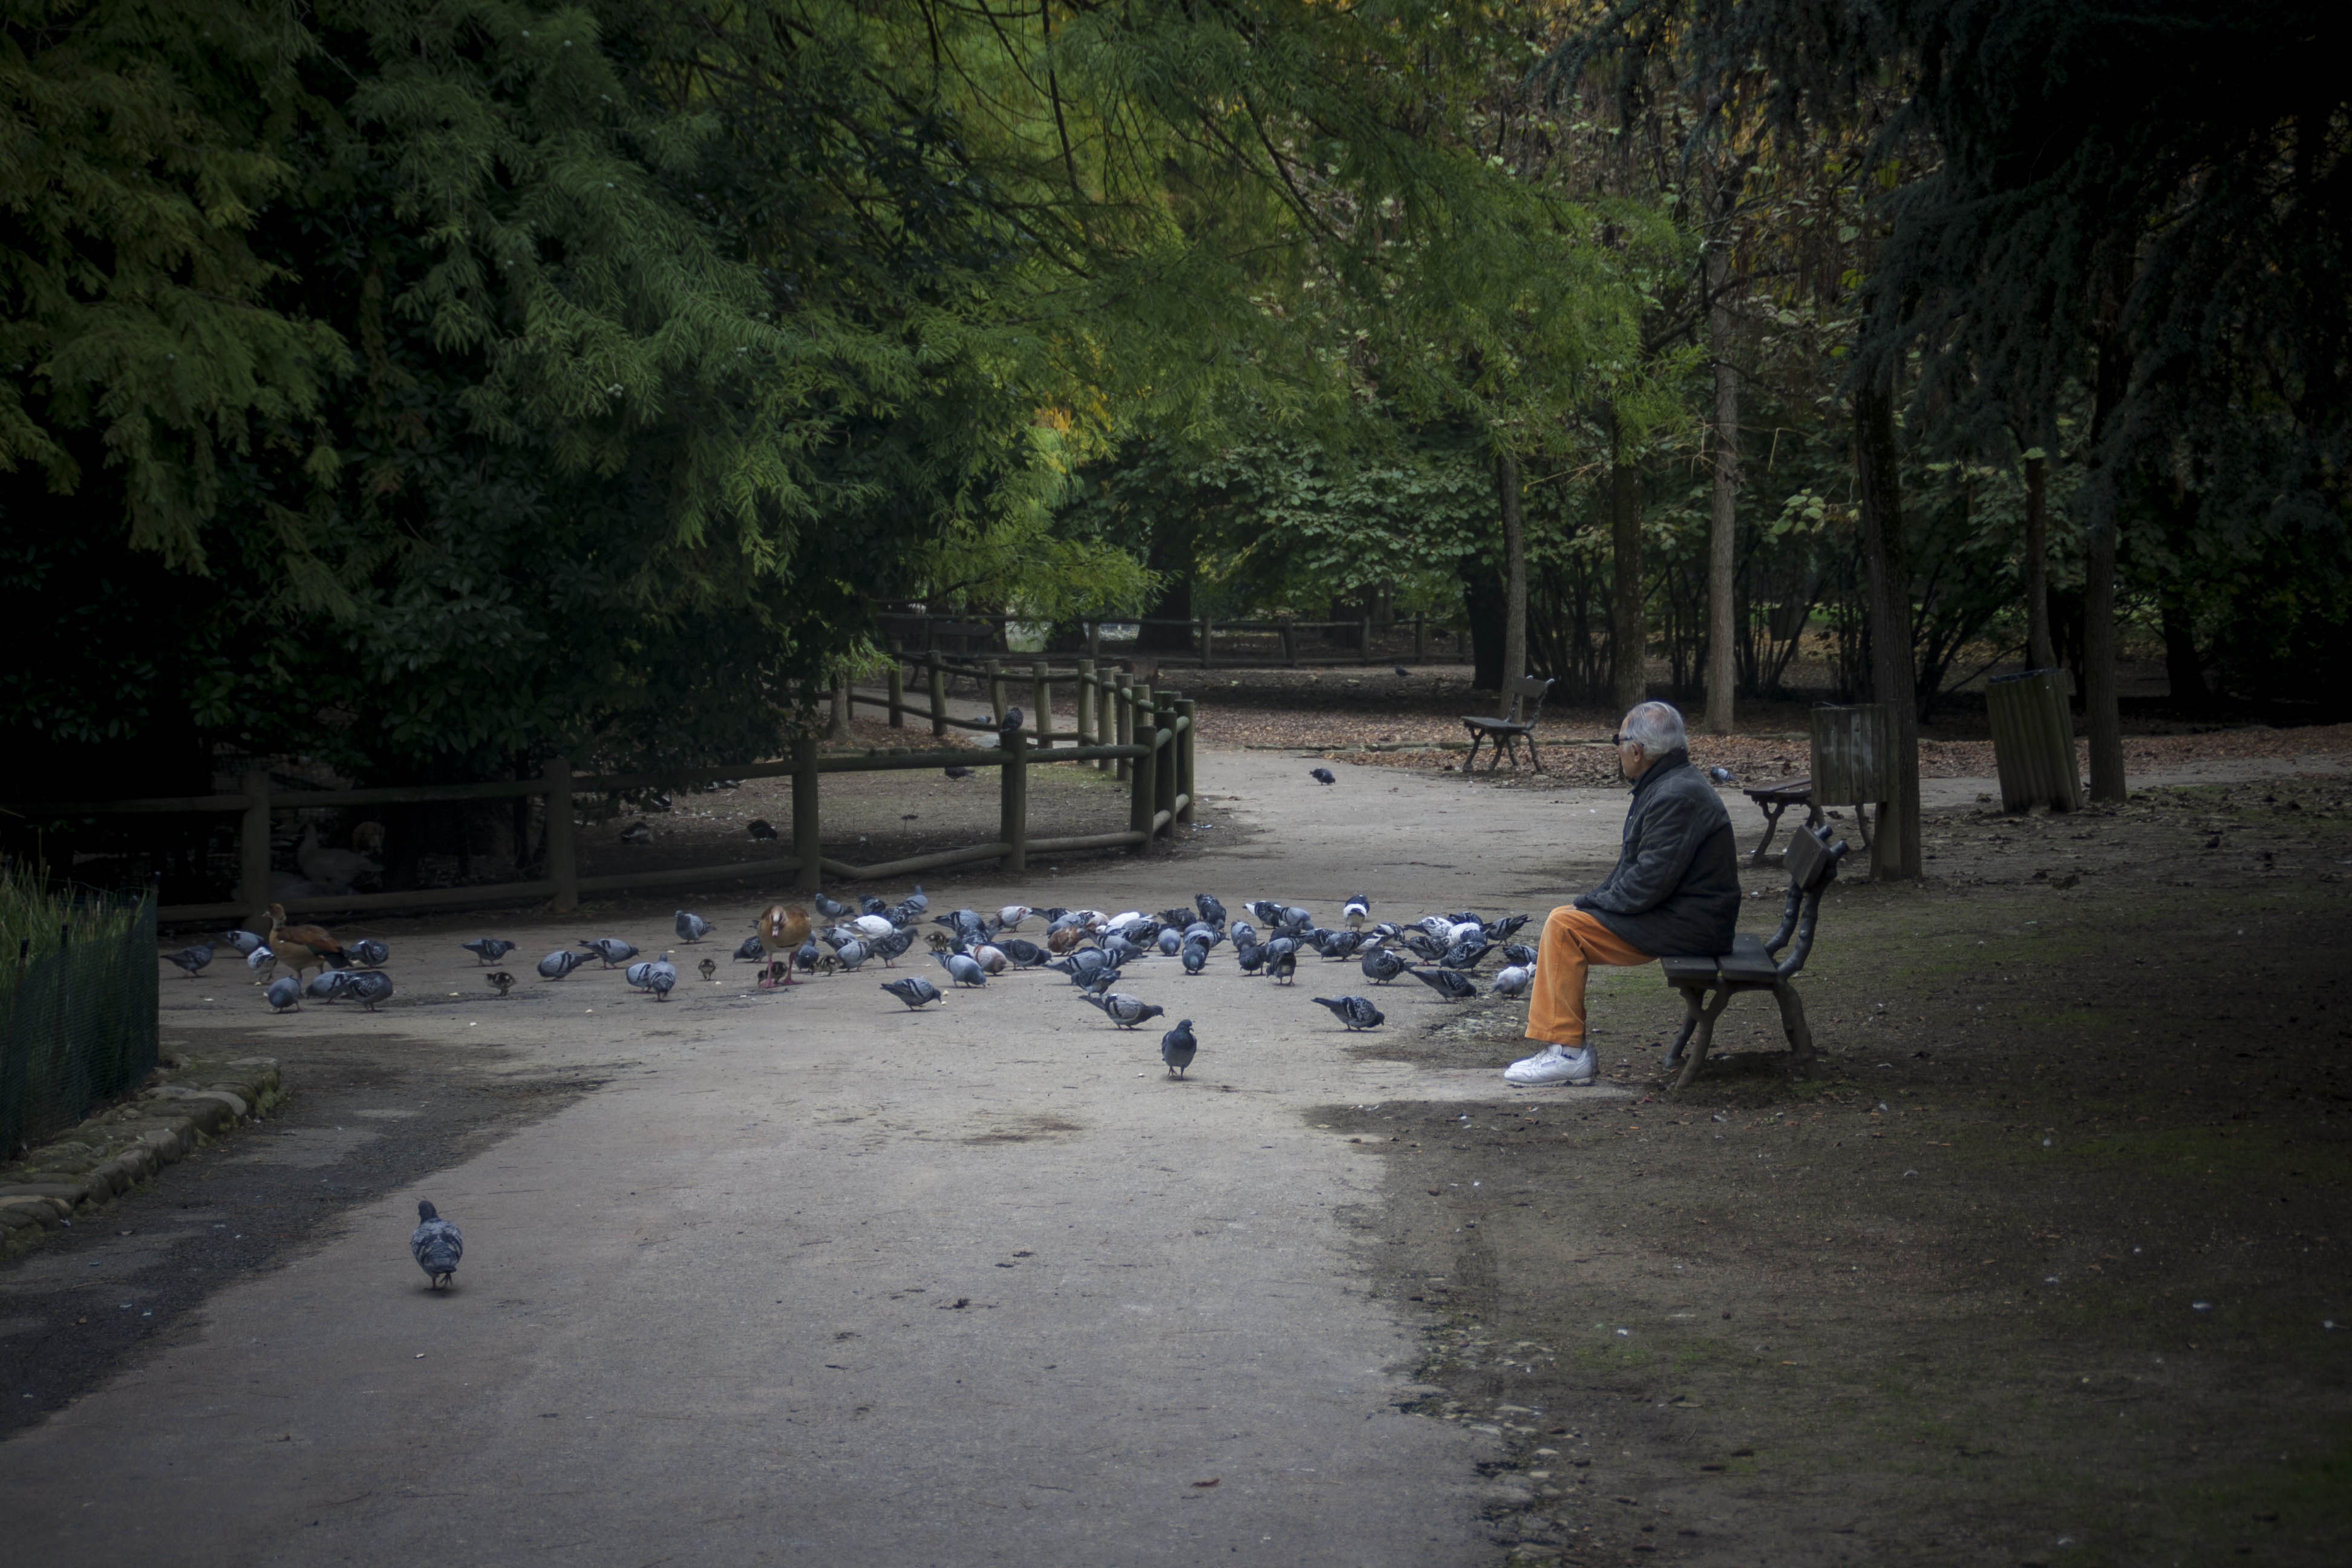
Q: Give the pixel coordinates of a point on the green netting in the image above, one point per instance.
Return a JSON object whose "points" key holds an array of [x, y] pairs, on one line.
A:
{"points": [[78, 1012]]}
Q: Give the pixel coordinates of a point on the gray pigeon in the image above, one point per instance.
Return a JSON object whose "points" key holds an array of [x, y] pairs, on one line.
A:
{"points": [[371, 986], [611, 949], [436, 1246], [1126, 1011], [691, 927], [638, 976], [1520, 953], [1356, 912], [189, 958], [852, 953], [761, 828], [558, 964], [367, 952], [1023, 951], [1451, 984], [752, 950], [487, 948], [661, 978], [964, 968], [1513, 981], [830, 908], [244, 942], [1179, 1046], [1356, 1012], [1380, 966], [1723, 776], [262, 961], [913, 990], [1283, 965], [1322, 775], [329, 984], [1194, 958], [285, 994], [636, 833]]}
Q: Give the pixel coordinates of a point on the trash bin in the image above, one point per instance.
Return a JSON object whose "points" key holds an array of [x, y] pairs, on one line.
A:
{"points": [[2033, 741], [1853, 760]]}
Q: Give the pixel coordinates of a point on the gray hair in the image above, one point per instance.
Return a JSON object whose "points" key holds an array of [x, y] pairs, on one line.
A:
{"points": [[1655, 727]]}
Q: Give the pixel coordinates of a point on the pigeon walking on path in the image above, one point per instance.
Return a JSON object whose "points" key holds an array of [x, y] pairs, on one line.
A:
{"points": [[1451, 984], [1323, 775], [487, 948], [243, 942], [913, 990], [436, 1246], [691, 927], [191, 959], [371, 986], [560, 963], [963, 969], [1179, 1046], [1513, 981], [284, 995], [611, 949], [1356, 1012], [661, 978], [752, 951], [1126, 1011], [370, 952]]}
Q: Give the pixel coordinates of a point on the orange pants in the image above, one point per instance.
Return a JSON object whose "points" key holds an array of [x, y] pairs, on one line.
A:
{"points": [[1574, 942]]}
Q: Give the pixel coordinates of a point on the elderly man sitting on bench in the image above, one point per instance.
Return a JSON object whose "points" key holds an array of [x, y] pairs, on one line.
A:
{"points": [[1676, 891]]}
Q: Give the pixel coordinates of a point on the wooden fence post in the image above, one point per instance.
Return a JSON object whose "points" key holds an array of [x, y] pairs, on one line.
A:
{"points": [[1364, 638], [563, 865], [1094, 639], [938, 688], [1289, 645], [1186, 708], [1207, 655], [808, 830], [1135, 717], [253, 848], [1086, 730], [1421, 639], [1040, 698], [996, 689], [1122, 711], [1012, 803], [897, 692], [1163, 771]]}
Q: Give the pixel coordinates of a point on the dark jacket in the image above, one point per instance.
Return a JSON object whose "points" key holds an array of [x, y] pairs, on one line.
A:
{"points": [[1676, 886]]}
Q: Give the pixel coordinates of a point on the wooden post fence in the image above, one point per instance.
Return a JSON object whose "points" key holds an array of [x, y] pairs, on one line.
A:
{"points": [[897, 692], [1185, 708], [1012, 805], [1041, 698]]}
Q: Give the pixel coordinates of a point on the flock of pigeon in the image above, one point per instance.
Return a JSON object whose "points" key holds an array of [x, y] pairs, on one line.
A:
{"points": [[1092, 949], [1095, 950]]}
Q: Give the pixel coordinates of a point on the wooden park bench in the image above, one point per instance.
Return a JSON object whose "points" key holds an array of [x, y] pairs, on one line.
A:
{"points": [[1752, 966], [1774, 799], [1526, 699]]}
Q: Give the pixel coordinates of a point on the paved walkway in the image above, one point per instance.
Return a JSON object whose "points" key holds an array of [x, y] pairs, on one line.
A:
{"points": [[817, 1280]]}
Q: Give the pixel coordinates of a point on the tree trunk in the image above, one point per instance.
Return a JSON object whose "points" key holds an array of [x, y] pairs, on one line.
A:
{"points": [[2101, 708], [838, 728], [1171, 556], [1514, 569], [1482, 607], [1894, 850], [1723, 539], [1628, 636], [2041, 653]]}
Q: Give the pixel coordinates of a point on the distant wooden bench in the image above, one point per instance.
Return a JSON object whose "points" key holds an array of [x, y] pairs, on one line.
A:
{"points": [[1519, 723], [1774, 799], [1752, 964]]}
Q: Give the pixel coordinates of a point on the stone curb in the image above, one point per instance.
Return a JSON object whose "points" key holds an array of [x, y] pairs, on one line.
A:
{"points": [[185, 1104]]}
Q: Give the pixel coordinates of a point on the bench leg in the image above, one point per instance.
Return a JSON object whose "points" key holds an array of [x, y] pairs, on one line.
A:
{"points": [[1533, 755], [1792, 1023], [1693, 997], [1706, 1037], [1494, 752], [1471, 760], [1771, 827]]}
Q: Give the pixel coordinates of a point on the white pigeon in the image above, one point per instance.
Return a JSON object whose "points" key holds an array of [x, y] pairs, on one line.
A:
{"points": [[1513, 981], [1010, 917], [990, 959], [872, 925], [263, 963]]}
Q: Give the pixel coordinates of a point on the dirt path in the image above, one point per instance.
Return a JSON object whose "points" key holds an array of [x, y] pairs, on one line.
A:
{"points": [[808, 1279]]}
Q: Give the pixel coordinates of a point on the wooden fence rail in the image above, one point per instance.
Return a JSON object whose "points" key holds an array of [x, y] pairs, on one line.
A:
{"points": [[1153, 753], [927, 630]]}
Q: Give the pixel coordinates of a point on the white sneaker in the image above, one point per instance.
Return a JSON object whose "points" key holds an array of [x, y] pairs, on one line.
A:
{"points": [[1553, 1064]]}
